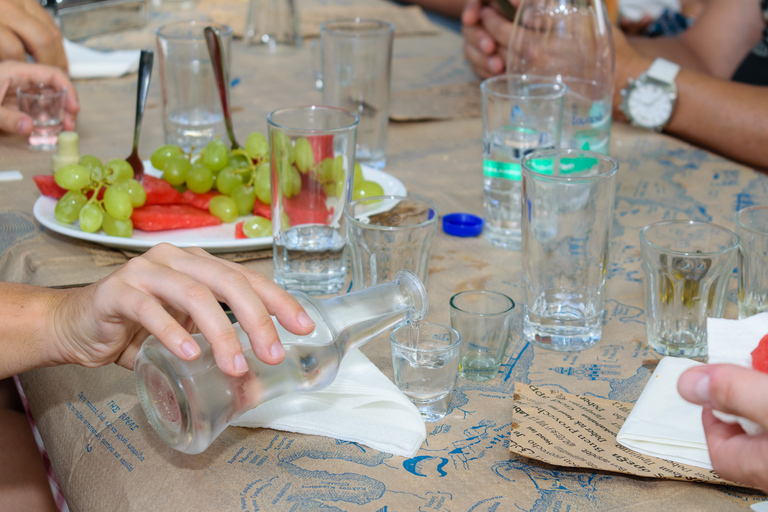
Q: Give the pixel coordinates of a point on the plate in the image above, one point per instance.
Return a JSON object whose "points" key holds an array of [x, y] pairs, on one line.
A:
{"points": [[213, 239]]}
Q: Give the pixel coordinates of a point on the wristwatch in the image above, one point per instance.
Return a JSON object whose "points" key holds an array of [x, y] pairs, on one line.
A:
{"points": [[648, 100]]}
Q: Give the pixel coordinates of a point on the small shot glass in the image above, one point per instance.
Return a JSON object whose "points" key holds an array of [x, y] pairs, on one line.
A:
{"points": [[45, 105], [483, 318], [425, 357]]}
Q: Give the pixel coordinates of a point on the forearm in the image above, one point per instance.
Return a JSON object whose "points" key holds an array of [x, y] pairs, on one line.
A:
{"points": [[670, 48], [25, 328], [451, 8]]}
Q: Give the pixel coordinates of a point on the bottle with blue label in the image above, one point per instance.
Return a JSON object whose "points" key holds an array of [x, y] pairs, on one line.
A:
{"points": [[572, 41]]}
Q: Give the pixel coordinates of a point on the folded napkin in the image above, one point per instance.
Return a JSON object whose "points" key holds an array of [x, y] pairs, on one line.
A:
{"points": [[662, 423], [362, 406], [85, 62]]}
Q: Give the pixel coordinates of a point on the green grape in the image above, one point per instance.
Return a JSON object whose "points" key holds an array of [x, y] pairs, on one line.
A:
{"points": [[257, 227], [358, 173], [262, 183], [68, 207], [285, 222], [367, 188], [244, 198], [325, 172], [224, 207], [227, 180], [305, 157], [199, 179], [91, 216], [94, 164], [283, 146], [72, 177], [256, 146], [117, 202], [162, 154], [216, 155], [114, 227], [118, 169], [290, 180], [135, 191], [239, 162], [338, 168], [334, 188], [176, 169]]}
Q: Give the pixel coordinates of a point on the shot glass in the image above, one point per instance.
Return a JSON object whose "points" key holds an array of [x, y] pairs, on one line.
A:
{"points": [[687, 266], [568, 200], [356, 57], [388, 233], [312, 157], [752, 228], [425, 358], [483, 318], [521, 114], [45, 105], [273, 24], [192, 114]]}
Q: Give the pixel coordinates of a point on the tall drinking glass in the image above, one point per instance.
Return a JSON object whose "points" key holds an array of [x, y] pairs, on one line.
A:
{"points": [[568, 200], [752, 228]]}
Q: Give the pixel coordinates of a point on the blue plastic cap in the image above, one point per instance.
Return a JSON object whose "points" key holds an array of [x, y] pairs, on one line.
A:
{"points": [[462, 224]]}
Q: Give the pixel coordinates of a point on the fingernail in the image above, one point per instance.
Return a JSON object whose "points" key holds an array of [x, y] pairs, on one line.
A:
{"points": [[701, 388], [189, 349], [240, 364], [305, 320], [24, 126], [276, 351]]}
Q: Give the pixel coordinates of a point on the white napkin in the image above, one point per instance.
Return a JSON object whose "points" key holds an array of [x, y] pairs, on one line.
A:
{"points": [[662, 423], [362, 406], [85, 62]]}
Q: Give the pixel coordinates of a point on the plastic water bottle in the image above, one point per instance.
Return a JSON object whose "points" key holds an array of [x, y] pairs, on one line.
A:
{"points": [[572, 41], [189, 403]]}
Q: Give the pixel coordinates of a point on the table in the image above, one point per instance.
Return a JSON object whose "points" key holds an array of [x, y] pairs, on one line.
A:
{"points": [[465, 463]]}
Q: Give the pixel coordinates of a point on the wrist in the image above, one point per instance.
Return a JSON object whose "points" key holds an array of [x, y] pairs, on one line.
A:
{"points": [[629, 69]]}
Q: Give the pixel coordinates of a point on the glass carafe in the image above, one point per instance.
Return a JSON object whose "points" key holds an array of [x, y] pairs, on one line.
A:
{"points": [[189, 403], [570, 40]]}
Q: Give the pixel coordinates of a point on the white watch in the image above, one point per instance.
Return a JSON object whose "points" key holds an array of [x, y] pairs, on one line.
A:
{"points": [[648, 100]]}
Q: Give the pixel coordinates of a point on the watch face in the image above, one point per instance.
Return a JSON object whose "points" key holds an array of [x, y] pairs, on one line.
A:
{"points": [[649, 105]]}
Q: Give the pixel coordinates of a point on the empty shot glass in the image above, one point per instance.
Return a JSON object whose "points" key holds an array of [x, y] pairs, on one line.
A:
{"points": [[687, 266], [425, 358], [386, 234], [484, 319], [752, 228], [45, 105]]}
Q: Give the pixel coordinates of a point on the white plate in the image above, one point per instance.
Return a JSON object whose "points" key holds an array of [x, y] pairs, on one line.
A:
{"points": [[219, 238]]}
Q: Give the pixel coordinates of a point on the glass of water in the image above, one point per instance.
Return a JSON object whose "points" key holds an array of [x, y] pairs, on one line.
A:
{"points": [[45, 105], [752, 228], [521, 114], [191, 102], [425, 358]]}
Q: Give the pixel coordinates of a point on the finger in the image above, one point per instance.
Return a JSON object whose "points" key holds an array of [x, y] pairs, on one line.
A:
{"points": [[14, 121], [478, 60], [498, 27], [470, 15], [479, 38], [41, 39], [11, 47]]}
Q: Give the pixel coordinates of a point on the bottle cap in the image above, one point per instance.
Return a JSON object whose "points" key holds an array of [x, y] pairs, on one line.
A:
{"points": [[462, 224]]}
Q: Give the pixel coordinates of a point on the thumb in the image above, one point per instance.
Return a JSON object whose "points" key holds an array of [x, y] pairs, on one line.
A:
{"points": [[14, 121]]}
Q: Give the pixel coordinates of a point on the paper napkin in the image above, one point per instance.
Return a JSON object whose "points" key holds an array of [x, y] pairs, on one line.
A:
{"points": [[662, 423], [362, 406], [85, 62]]}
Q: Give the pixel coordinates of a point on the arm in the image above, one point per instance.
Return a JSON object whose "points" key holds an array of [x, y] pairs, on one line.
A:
{"points": [[733, 390], [165, 292], [450, 8], [486, 32], [25, 27]]}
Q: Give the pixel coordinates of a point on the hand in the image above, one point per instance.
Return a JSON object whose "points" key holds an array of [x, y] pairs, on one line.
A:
{"points": [[25, 27], [16, 74], [167, 292], [735, 390], [486, 33]]}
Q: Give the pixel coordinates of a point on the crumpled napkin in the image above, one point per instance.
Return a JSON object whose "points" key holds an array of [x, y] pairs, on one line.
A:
{"points": [[85, 62], [362, 405], [662, 423]]}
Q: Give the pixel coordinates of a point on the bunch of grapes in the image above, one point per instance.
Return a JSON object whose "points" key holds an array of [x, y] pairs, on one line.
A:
{"points": [[99, 196]]}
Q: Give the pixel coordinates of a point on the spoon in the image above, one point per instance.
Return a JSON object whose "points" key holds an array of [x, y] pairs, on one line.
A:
{"points": [[145, 73], [222, 79]]}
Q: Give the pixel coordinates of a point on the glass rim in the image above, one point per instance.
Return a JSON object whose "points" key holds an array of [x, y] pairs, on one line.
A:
{"points": [[483, 292], [375, 27], [535, 79], [575, 178], [735, 240], [29, 91], [390, 197], [444, 348], [162, 31], [740, 224], [355, 119]]}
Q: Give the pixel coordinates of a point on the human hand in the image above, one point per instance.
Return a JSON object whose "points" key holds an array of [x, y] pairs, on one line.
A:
{"points": [[167, 292], [25, 27], [735, 390], [18, 74], [486, 32]]}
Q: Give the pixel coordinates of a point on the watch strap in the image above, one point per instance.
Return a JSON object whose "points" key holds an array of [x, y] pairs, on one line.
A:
{"points": [[663, 70]]}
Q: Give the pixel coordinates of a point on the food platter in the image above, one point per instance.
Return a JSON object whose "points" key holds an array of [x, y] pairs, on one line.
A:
{"points": [[214, 239]]}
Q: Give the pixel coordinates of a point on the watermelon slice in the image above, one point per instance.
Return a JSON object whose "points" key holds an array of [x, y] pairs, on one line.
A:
{"points": [[160, 191], [160, 217], [760, 355], [200, 201], [322, 146], [308, 207], [262, 209], [239, 233], [48, 187]]}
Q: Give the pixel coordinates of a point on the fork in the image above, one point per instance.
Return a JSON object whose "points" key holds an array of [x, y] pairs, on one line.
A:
{"points": [[145, 73]]}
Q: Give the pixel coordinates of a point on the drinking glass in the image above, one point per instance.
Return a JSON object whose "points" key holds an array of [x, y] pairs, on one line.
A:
{"points": [[752, 228], [45, 105], [273, 24]]}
